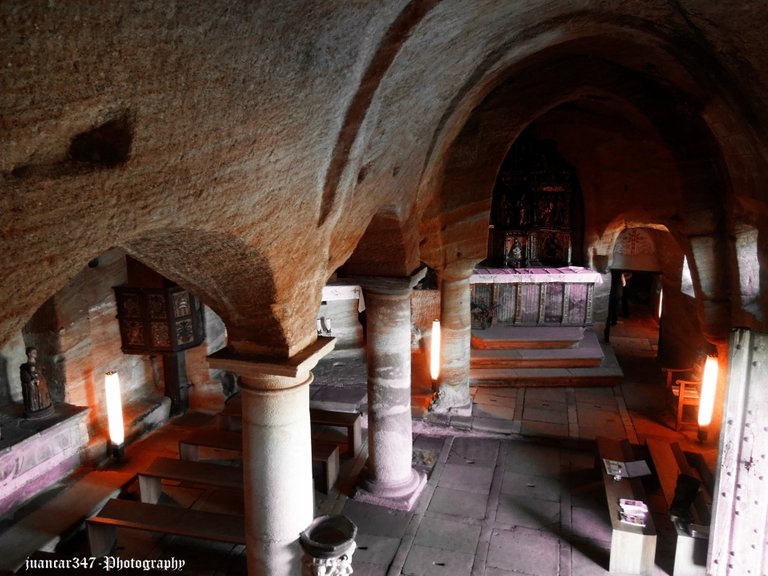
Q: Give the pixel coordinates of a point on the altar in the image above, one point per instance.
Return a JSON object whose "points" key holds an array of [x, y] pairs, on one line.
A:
{"points": [[543, 296]]}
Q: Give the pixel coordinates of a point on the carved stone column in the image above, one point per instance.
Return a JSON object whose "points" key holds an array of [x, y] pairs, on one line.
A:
{"points": [[389, 479], [277, 454], [456, 334]]}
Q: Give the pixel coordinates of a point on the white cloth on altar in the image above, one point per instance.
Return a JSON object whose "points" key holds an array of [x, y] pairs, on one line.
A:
{"points": [[567, 274]]}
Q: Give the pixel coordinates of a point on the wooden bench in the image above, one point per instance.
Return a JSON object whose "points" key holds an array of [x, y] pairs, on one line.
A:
{"points": [[230, 419], [633, 548], [186, 471], [351, 421], [102, 528], [691, 549], [325, 455], [189, 446]]}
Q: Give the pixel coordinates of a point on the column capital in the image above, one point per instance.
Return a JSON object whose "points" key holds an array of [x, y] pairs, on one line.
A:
{"points": [[459, 269], [394, 285], [260, 366]]}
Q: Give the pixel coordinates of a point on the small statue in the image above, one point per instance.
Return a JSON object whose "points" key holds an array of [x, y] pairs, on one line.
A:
{"points": [[522, 218], [34, 390], [517, 252]]}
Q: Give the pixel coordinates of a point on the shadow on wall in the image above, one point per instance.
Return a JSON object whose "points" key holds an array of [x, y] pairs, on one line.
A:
{"points": [[5, 383]]}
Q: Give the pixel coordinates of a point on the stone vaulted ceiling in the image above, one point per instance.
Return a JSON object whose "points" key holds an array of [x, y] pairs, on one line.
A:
{"points": [[245, 150]]}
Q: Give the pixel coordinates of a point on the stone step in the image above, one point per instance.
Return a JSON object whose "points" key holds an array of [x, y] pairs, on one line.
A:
{"points": [[607, 373], [545, 377], [587, 352], [512, 337]]}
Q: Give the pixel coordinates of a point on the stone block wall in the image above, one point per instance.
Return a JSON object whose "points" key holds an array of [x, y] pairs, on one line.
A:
{"points": [[77, 334], [425, 307], [42, 459]]}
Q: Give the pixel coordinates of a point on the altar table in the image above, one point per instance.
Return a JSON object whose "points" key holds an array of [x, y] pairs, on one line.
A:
{"points": [[535, 296]]}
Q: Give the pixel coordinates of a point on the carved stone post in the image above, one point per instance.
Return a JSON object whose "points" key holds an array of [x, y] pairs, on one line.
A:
{"points": [[456, 325], [389, 479], [277, 454]]}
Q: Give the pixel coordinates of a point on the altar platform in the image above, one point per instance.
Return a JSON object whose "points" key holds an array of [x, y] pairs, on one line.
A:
{"points": [[541, 356], [533, 296]]}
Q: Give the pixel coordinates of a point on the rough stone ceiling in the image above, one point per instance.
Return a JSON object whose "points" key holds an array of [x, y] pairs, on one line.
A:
{"points": [[289, 126]]}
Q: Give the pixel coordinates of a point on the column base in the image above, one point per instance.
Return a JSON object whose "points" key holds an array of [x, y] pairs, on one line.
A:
{"points": [[452, 399], [400, 497]]}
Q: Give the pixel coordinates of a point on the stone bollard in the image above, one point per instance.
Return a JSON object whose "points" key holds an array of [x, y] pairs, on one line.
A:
{"points": [[328, 544]]}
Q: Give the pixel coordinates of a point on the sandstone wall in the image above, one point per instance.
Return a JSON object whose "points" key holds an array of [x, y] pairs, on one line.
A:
{"points": [[77, 334]]}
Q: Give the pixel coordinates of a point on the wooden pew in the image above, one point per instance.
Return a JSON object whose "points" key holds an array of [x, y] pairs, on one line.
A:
{"points": [[351, 421], [186, 471], [325, 455], [691, 548], [230, 419], [189, 446], [102, 528], [633, 548]]}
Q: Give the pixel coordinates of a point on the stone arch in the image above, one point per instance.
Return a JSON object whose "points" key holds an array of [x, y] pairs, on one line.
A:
{"points": [[460, 182], [635, 249], [388, 247], [231, 277]]}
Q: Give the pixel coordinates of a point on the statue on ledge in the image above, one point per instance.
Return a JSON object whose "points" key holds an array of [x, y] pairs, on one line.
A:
{"points": [[34, 390]]}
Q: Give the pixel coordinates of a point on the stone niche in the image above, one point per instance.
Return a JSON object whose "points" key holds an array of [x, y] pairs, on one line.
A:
{"points": [[78, 337]]}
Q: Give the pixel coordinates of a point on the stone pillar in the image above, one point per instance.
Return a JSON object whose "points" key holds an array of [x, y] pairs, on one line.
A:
{"points": [[456, 334], [277, 454], [389, 479]]}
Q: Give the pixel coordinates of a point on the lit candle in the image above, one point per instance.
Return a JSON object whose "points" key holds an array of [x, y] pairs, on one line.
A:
{"points": [[661, 300], [434, 361], [114, 410], [709, 385]]}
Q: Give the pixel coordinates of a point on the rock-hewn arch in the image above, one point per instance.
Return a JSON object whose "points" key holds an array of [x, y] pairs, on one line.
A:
{"points": [[547, 81], [228, 275]]}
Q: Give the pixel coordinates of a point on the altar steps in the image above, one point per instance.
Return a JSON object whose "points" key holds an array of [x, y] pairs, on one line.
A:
{"points": [[503, 338], [583, 362]]}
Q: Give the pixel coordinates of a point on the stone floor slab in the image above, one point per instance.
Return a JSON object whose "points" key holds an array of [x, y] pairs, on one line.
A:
{"points": [[591, 524], [529, 512], [464, 449], [543, 412], [427, 561], [524, 550], [495, 425], [589, 558], [460, 503], [527, 486], [558, 395], [467, 477], [437, 531], [494, 392], [377, 520], [366, 569], [530, 459], [375, 549], [498, 411], [532, 428]]}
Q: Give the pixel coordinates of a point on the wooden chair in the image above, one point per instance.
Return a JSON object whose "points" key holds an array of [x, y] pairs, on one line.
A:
{"points": [[684, 389]]}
